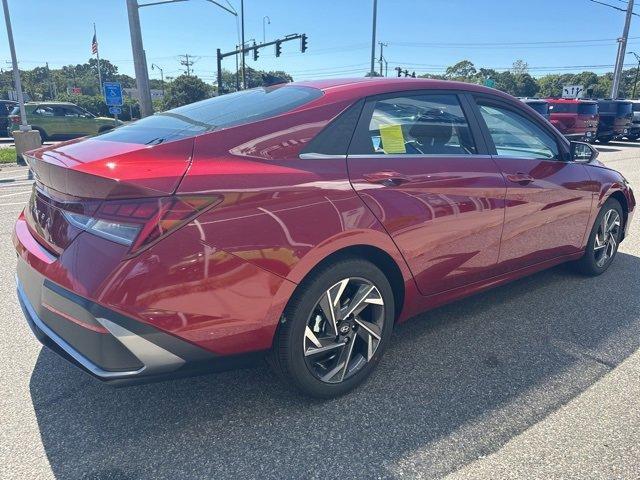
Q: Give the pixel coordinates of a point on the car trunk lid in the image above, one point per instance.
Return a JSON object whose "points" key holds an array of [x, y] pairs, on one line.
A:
{"points": [[77, 176]]}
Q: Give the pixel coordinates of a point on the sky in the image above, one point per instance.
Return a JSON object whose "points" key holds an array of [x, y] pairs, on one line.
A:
{"points": [[552, 36]]}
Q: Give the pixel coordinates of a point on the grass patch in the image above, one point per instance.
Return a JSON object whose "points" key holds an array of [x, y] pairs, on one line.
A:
{"points": [[7, 155]]}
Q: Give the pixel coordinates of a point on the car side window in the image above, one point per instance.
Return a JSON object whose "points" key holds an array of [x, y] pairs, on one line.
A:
{"points": [[514, 135], [44, 110], [420, 124]]}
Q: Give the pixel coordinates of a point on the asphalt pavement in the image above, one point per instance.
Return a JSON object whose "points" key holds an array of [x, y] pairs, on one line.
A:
{"points": [[536, 379]]}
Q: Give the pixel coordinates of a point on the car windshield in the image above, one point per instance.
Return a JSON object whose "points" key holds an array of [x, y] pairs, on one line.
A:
{"points": [[214, 114]]}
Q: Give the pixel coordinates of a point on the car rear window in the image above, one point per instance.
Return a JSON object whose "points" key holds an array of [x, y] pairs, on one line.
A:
{"points": [[214, 114], [624, 108], [540, 107], [588, 108]]}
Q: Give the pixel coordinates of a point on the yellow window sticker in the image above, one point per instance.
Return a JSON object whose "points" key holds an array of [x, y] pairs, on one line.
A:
{"points": [[392, 139]]}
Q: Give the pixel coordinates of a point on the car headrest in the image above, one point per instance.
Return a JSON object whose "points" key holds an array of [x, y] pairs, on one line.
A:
{"points": [[432, 130]]}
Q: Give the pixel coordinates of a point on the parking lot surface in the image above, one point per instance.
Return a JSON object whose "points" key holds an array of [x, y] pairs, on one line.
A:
{"points": [[536, 379]]}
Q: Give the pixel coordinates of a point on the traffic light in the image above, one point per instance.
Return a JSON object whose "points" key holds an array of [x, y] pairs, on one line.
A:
{"points": [[303, 43], [278, 48], [255, 52]]}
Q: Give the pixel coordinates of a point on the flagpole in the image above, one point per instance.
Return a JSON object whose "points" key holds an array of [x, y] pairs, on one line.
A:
{"points": [[98, 57]]}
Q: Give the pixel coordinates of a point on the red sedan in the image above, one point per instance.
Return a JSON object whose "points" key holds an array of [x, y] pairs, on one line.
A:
{"points": [[300, 222]]}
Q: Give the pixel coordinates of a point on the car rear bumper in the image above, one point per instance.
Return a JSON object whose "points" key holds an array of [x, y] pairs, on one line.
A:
{"points": [[106, 344]]}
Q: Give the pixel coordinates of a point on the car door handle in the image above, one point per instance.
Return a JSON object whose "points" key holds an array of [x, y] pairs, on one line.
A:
{"points": [[521, 178], [388, 179]]}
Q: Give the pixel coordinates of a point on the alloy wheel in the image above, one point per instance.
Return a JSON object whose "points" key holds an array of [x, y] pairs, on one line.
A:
{"points": [[344, 330], [606, 241]]}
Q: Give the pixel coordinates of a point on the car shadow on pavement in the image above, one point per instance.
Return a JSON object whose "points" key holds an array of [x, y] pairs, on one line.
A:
{"points": [[455, 384]]}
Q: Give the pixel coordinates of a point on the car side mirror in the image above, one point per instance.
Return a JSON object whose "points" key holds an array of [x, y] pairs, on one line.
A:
{"points": [[583, 152]]}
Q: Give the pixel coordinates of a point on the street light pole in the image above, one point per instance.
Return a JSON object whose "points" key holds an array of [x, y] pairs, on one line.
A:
{"points": [[139, 59], [622, 47], [264, 30], [24, 127], [153, 65], [372, 71], [244, 74]]}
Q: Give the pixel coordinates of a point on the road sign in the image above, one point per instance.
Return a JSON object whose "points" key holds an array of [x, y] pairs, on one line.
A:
{"points": [[113, 94], [489, 82], [115, 110], [572, 91]]}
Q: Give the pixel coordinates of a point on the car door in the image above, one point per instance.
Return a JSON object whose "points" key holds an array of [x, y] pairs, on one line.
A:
{"points": [[422, 168], [549, 198]]}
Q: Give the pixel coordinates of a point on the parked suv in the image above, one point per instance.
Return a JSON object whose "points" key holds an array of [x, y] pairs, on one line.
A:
{"points": [[575, 118], [60, 120], [634, 131], [6, 107], [539, 105], [615, 119]]}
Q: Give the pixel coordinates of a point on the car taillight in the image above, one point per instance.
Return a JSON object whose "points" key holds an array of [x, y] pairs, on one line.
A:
{"points": [[15, 119], [142, 222]]}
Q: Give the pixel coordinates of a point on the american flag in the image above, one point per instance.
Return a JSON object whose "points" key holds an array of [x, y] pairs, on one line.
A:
{"points": [[94, 44]]}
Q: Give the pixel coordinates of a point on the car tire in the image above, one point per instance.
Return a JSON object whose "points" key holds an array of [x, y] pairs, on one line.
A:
{"points": [[43, 135], [603, 240], [306, 328]]}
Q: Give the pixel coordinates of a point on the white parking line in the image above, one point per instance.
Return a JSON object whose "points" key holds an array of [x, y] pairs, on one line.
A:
{"points": [[15, 184], [15, 193]]}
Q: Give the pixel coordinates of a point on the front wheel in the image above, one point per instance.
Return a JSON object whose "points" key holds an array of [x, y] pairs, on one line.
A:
{"points": [[603, 241], [335, 328]]}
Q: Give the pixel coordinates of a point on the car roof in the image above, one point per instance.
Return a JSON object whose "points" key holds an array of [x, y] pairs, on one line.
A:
{"points": [[50, 103], [570, 100], [366, 86]]}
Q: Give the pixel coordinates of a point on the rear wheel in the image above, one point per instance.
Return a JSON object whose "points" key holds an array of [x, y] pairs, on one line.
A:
{"points": [[335, 329], [603, 241]]}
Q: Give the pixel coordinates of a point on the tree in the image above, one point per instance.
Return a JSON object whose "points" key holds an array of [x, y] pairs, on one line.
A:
{"points": [[186, 89], [525, 85], [462, 70], [520, 67]]}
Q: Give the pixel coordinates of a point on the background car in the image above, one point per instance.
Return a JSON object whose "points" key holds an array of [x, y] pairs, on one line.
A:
{"points": [[615, 119], [6, 107], [576, 119], [539, 105], [634, 131], [61, 120], [300, 222]]}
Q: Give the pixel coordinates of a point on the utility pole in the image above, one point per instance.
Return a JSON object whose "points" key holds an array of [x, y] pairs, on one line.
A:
{"points": [[622, 47], [24, 127], [372, 70], [187, 63], [382, 45], [51, 97], [25, 139], [139, 59]]}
